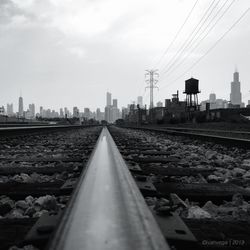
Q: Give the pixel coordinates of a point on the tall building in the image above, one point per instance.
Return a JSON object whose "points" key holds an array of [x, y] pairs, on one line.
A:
{"points": [[2, 110], [139, 101], [108, 99], [61, 113], [10, 110], [107, 115], [66, 112], [115, 103], [98, 115], [235, 96], [20, 107], [32, 111], [114, 114], [87, 113], [41, 111], [125, 112], [212, 97], [75, 112]]}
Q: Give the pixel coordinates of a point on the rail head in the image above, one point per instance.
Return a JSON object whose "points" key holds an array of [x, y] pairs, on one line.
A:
{"points": [[9, 131], [107, 210]]}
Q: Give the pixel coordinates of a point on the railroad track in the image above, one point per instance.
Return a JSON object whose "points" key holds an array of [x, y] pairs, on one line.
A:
{"points": [[228, 138], [212, 182], [29, 129], [230, 133], [36, 169], [179, 180]]}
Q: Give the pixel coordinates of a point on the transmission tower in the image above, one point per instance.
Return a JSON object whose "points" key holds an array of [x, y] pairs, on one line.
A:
{"points": [[151, 81]]}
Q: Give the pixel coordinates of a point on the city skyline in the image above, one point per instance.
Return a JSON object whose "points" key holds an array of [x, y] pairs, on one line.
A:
{"points": [[64, 53], [235, 86]]}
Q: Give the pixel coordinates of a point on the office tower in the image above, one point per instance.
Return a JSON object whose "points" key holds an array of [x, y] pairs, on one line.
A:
{"points": [[212, 98], [108, 99], [115, 102], [98, 114], [41, 111], [107, 115], [10, 111], [86, 113], [114, 114], [75, 112], [2, 110], [20, 107], [66, 112], [125, 112], [108, 107], [32, 111], [139, 101], [61, 113], [235, 96]]}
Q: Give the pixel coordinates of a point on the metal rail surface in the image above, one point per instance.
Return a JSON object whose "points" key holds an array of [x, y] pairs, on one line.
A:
{"points": [[107, 210], [226, 140], [207, 130], [6, 131]]}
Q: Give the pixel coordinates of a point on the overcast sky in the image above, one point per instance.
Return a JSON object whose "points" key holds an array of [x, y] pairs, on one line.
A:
{"points": [[65, 53]]}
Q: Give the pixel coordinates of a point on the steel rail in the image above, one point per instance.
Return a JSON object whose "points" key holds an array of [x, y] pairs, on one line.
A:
{"points": [[107, 210], [226, 140], [6, 131], [207, 130]]}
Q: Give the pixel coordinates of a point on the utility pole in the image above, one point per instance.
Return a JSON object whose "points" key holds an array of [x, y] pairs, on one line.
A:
{"points": [[152, 84]]}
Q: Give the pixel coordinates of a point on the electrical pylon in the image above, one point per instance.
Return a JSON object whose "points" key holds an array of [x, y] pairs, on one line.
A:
{"points": [[152, 84]]}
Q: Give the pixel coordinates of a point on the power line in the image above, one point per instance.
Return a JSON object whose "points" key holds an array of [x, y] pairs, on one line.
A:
{"points": [[187, 39], [207, 33], [211, 48], [192, 38], [177, 34]]}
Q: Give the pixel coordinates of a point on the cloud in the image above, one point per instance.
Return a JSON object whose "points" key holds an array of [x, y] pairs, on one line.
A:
{"points": [[63, 47]]}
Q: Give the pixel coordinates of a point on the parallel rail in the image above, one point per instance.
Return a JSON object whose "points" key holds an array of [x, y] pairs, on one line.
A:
{"points": [[107, 210], [7, 131], [226, 140], [202, 130]]}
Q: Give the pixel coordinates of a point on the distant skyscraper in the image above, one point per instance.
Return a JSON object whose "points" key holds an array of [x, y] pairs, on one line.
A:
{"points": [[61, 113], [235, 96], [115, 103], [75, 112], [212, 97], [66, 112], [86, 113], [107, 115], [2, 110], [32, 111], [20, 107], [10, 110], [41, 111], [98, 114], [125, 112], [139, 101], [108, 99]]}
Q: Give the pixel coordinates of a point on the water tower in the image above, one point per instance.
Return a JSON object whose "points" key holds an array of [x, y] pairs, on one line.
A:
{"points": [[191, 91]]}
